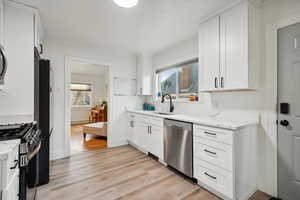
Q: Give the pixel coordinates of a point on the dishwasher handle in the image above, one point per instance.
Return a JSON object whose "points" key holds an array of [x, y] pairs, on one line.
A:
{"points": [[179, 124]]}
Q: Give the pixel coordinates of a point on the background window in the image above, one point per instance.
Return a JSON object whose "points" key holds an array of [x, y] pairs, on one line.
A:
{"points": [[81, 94], [181, 81]]}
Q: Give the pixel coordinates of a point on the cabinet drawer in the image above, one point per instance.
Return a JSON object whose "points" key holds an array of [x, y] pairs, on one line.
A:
{"points": [[142, 118], [156, 121], [159, 122], [213, 152], [131, 116], [214, 177], [214, 134]]}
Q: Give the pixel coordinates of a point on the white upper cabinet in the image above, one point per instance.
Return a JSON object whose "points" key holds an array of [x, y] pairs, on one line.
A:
{"points": [[209, 50], [144, 74], [229, 50]]}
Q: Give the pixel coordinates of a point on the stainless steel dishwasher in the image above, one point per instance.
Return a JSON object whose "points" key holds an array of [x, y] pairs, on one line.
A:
{"points": [[178, 146]]}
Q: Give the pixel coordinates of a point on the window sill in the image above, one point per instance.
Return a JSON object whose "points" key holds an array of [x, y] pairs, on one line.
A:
{"points": [[182, 101], [81, 107]]}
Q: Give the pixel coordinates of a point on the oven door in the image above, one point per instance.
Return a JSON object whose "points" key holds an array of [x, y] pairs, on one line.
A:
{"points": [[32, 175]]}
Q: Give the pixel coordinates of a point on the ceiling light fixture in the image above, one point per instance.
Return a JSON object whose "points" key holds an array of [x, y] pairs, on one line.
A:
{"points": [[126, 3]]}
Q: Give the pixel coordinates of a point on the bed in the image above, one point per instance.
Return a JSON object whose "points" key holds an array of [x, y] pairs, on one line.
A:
{"points": [[96, 129]]}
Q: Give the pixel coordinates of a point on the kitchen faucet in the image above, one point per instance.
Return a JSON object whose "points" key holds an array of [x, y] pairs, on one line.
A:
{"points": [[171, 103]]}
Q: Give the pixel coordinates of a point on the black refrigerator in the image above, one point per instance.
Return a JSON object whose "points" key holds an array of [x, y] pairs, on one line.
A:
{"points": [[42, 117]]}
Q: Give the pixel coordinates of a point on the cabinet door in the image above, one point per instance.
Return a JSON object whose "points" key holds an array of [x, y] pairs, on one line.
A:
{"points": [[234, 48], [142, 134], [209, 55], [156, 141], [135, 131], [144, 75], [130, 129], [11, 191]]}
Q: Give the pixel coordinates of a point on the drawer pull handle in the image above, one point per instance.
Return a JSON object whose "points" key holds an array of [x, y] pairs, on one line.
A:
{"points": [[209, 133], [210, 176], [207, 151], [16, 164]]}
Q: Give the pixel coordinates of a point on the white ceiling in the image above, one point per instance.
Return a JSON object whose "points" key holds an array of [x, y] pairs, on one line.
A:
{"points": [[151, 26], [88, 69]]}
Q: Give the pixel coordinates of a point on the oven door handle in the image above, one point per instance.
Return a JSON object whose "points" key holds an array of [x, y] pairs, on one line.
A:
{"points": [[36, 150]]}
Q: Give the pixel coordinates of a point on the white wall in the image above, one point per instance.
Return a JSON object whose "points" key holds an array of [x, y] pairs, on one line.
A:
{"points": [[243, 103], [121, 64], [273, 11], [17, 97], [81, 114]]}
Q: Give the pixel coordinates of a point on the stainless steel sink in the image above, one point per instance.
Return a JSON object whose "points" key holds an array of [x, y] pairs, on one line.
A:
{"points": [[164, 113]]}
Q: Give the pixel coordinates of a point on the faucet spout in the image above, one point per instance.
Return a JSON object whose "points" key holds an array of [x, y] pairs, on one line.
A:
{"points": [[171, 103]]}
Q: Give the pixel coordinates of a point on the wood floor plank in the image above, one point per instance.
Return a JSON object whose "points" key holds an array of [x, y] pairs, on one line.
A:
{"points": [[120, 173]]}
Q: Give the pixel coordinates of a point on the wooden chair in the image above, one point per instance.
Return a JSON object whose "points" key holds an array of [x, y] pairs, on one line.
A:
{"points": [[98, 114]]}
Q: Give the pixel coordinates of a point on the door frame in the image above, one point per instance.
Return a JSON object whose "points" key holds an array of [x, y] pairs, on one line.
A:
{"points": [[269, 115], [67, 112]]}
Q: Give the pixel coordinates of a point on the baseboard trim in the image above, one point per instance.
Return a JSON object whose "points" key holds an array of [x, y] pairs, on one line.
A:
{"points": [[57, 155]]}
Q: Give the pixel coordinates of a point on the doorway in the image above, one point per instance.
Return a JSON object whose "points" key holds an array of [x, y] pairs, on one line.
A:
{"points": [[88, 106], [289, 112]]}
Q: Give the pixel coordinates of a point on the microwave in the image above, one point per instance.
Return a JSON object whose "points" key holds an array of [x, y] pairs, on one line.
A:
{"points": [[3, 65]]}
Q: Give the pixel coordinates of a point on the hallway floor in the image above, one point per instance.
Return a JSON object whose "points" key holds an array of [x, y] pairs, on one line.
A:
{"points": [[92, 143]]}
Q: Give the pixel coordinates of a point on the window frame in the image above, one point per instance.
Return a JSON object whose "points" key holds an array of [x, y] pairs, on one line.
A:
{"points": [[91, 95], [177, 98]]}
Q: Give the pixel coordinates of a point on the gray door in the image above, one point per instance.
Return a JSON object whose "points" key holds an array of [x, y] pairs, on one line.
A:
{"points": [[289, 114]]}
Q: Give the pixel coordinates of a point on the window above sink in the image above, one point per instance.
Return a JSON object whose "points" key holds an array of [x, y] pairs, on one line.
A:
{"points": [[180, 81]]}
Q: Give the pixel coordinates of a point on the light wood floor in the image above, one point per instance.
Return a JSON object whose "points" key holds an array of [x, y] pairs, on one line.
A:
{"points": [[78, 145], [119, 173]]}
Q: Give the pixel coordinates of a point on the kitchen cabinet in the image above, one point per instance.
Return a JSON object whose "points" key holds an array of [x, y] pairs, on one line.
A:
{"points": [[209, 53], [132, 130], [142, 129], [11, 191], [144, 74], [229, 49], [155, 144], [146, 133], [225, 160], [9, 170]]}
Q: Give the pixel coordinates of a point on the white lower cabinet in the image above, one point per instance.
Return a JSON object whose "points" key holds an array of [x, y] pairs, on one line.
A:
{"points": [[225, 161], [11, 191], [146, 133], [142, 132], [156, 142], [9, 170], [214, 177]]}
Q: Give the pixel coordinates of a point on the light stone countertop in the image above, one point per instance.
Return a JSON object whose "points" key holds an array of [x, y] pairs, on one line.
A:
{"points": [[218, 122]]}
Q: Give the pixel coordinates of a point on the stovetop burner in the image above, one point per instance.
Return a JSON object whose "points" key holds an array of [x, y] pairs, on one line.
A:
{"points": [[14, 131]]}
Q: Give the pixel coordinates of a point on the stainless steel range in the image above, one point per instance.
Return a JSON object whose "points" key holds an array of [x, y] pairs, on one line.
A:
{"points": [[29, 135]]}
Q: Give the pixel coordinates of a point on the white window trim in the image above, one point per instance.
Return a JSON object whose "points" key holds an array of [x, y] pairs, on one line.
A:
{"points": [[92, 91]]}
